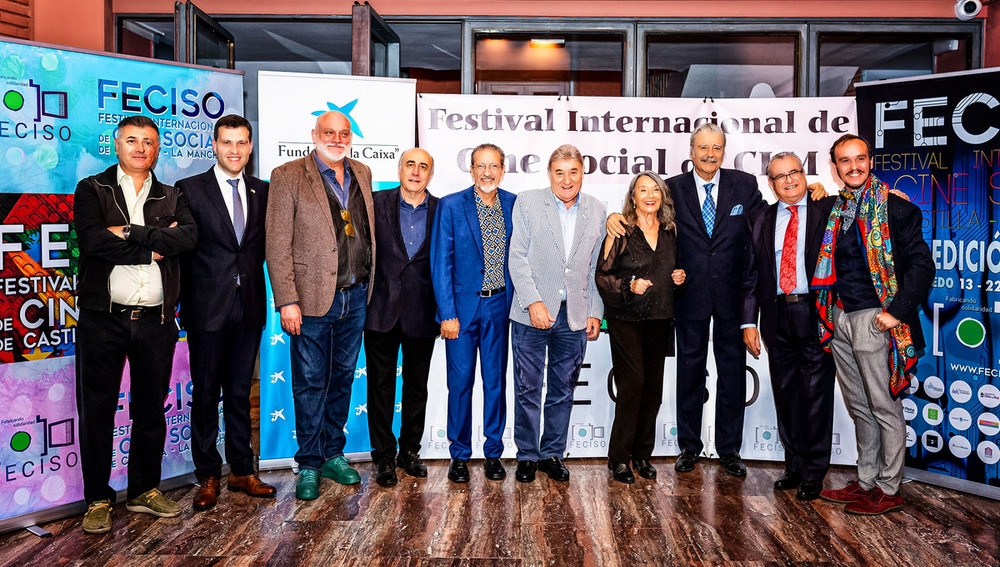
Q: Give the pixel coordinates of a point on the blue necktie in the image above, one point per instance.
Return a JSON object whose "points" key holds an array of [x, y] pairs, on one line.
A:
{"points": [[708, 208], [239, 221]]}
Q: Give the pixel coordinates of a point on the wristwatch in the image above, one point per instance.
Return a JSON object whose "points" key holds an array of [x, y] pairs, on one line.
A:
{"points": [[126, 231]]}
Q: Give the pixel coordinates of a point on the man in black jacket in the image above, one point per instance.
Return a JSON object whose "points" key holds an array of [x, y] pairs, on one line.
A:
{"points": [[222, 309], [131, 230], [401, 313]]}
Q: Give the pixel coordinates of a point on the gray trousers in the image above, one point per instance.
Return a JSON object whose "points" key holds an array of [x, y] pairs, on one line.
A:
{"points": [[861, 352]]}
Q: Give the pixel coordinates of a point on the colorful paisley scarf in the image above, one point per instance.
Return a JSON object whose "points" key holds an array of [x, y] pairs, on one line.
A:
{"points": [[871, 203]]}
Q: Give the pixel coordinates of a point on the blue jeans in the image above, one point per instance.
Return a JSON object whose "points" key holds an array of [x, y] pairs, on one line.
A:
{"points": [[324, 359], [566, 348]]}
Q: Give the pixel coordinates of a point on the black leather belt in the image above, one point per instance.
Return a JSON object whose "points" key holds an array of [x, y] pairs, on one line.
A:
{"points": [[134, 312], [793, 298], [491, 292]]}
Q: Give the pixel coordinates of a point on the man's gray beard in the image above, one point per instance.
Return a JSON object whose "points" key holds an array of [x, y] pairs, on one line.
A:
{"points": [[326, 153]]}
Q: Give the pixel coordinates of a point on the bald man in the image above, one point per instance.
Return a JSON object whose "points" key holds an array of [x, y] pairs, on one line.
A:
{"points": [[321, 260], [401, 314]]}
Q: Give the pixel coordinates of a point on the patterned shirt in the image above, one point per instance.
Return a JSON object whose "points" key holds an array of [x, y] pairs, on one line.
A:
{"points": [[491, 223]]}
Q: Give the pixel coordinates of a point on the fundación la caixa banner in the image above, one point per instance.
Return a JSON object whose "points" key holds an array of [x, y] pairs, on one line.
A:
{"points": [[620, 137], [381, 112], [937, 139], [58, 116]]}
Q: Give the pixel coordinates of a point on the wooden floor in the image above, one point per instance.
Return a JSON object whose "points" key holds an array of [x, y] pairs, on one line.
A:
{"points": [[703, 518]]}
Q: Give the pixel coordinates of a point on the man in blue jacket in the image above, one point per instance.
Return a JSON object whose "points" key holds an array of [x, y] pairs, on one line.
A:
{"points": [[472, 286]]}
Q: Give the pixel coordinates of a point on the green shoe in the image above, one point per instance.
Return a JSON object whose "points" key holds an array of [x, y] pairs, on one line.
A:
{"points": [[341, 472], [307, 487], [154, 502], [97, 520]]}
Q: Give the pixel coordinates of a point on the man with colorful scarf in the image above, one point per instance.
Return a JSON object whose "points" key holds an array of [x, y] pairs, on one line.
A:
{"points": [[874, 270]]}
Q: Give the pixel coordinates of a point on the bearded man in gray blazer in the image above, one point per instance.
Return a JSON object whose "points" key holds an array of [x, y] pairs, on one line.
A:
{"points": [[553, 255]]}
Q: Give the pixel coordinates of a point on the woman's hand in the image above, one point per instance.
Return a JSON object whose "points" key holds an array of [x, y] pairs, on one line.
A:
{"points": [[678, 276], [640, 286]]}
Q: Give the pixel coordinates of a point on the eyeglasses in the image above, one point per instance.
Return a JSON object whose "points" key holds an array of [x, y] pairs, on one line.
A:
{"points": [[786, 176], [348, 227], [491, 166]]}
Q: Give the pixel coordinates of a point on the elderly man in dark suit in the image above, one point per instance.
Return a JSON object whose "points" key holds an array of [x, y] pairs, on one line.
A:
{"points": [[222, 309], [401, 313], [321, 260], [786, 242]]}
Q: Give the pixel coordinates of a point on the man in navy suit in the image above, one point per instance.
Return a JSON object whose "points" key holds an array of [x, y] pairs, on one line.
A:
{"points": [[222, 309], [401, 313], [713, 240], [472, 286], [786, 242]]}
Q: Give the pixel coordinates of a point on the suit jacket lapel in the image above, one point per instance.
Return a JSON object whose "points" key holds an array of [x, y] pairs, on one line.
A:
{"points": [[214, 193], [689, 197], [392, 214], [555, 225], [315, 183], [724, 198], [770, 225], [472, 216]]}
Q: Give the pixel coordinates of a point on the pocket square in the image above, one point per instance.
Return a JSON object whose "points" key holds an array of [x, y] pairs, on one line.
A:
{"points": [[737, 210]]}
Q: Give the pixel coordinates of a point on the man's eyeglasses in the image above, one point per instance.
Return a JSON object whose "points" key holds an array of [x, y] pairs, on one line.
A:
{"points": [[348, 227], [786, 176], [484, 166]]}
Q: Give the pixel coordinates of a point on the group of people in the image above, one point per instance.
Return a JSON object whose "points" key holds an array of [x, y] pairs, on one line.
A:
{"points": [[698, 254]]}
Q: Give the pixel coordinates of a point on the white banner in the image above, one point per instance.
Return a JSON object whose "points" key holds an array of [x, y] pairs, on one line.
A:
{"points": [[381, 112], [620, 137]]}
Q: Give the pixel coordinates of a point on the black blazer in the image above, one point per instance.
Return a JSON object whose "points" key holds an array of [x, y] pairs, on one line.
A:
{"points": [[913, 263], [763, 296], [402, 290], [716, 266], [208, 275]]}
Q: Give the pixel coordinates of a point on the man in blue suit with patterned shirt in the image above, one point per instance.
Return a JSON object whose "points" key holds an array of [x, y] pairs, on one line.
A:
{"points": [[472, 286]]}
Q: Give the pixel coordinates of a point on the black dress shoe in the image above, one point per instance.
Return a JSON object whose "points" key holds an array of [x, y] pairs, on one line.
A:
{"points": [[525, 471], [788, 481], [809, 490], [685, 461], [554, 467], [733, 464], [494, 469], [386, 473], [644, 468], [458, 471], [411, 463], [621, 472]]}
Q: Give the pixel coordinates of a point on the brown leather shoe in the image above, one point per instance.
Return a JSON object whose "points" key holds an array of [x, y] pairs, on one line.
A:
{"points": [[252, 485], [208, 494]]}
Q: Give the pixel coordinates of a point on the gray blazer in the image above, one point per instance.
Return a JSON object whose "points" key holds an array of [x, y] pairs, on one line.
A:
{"points": [[539, 267]]}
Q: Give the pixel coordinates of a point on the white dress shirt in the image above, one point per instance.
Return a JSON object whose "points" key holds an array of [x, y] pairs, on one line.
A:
{"points": [[137, 284], [227, 191]]}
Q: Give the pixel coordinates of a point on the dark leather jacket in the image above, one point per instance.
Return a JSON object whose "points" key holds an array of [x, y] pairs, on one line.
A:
{"points": [[98, 204]]}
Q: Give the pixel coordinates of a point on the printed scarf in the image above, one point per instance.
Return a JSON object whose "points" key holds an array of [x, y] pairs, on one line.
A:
{"points": [[873, 222]]}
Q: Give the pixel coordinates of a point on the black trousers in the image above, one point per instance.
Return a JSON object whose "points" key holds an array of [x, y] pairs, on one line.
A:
{"points": [[222, 362], [104, 341], [731, 384], [638, 350], [802, 378], [381, 353]]}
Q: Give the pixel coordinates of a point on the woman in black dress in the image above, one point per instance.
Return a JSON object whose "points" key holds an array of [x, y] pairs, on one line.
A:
{"points": [[636, 277]]}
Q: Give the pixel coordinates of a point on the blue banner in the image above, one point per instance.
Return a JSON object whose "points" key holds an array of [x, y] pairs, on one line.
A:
{"points": [[937, 139]]}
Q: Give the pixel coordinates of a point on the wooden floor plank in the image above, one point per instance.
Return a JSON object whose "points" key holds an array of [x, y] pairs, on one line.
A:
{"points": [[702, 518]]}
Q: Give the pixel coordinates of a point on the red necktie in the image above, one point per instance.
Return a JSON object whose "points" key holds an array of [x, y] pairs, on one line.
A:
{"points": [[786, 277]]}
